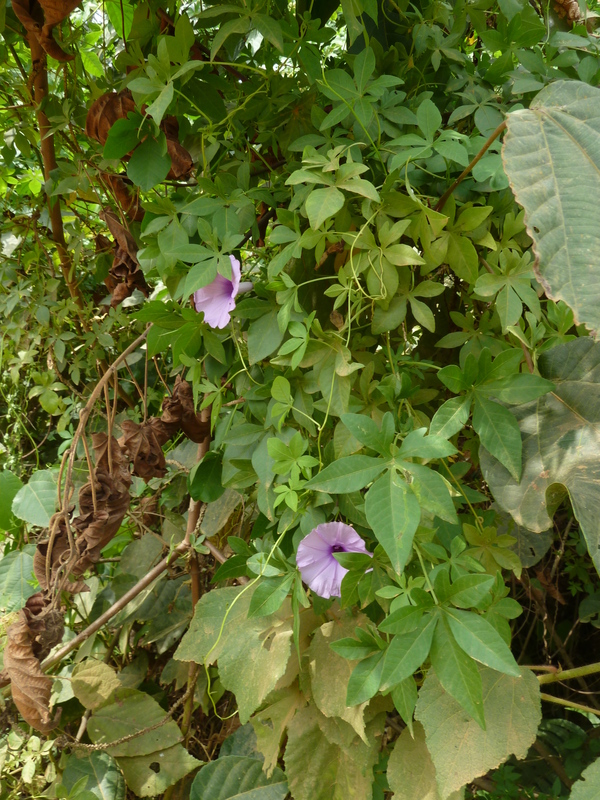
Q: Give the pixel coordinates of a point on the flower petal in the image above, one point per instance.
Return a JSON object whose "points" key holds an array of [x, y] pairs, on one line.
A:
{"points": [[236, 274], [318, 567]]}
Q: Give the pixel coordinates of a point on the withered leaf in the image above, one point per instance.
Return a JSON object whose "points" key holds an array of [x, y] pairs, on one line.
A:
{"points": [[125, 274], [192, 424], [110, 107], [143, 448], [29, 639], [40, 18], [126, 196]]}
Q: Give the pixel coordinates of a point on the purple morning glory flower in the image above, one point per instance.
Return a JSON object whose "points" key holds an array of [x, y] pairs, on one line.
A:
{"points": [[315, 560], [217, 300]]}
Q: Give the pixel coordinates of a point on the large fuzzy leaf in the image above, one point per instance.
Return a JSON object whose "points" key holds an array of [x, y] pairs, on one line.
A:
{"points": [[561, 441], [459, 749], [552, 159]]}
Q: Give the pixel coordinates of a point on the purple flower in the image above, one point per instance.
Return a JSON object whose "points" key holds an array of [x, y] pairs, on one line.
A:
{"points": [[315, 559], [217, 300]]}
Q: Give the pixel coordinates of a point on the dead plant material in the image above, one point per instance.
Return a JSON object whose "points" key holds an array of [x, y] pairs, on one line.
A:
{"points": [[568, 9], [126, 196], [40, 18], [112, 106], [191, 423], [125, 274], [29, 640], [144, 450]]}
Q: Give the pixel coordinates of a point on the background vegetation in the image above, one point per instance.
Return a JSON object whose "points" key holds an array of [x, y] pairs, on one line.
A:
{"points": [[413, 191]]}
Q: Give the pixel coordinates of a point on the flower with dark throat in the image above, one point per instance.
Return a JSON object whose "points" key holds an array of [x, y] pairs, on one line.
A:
{"points": [[315, 558], [217, 300]]}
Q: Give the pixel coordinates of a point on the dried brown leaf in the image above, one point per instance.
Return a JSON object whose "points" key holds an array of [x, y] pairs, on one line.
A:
{"points": [[191, 423], [143, 448], [29, 639], [40, 19]]}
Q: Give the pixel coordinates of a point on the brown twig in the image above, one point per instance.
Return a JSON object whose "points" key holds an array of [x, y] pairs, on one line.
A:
{"points": [[154, 573], [40, 92], [444, 198]]}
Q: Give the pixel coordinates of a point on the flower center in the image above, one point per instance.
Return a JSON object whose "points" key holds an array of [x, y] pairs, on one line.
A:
{"points": [[337, 548]]}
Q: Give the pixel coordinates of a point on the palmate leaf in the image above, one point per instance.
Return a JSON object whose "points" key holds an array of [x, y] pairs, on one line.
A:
{"points": [[561, 441], [393, 512], [552, 158], [588, 786]]}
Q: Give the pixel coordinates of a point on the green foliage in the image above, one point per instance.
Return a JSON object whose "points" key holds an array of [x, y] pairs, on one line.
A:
{"points": [[411, 360]]}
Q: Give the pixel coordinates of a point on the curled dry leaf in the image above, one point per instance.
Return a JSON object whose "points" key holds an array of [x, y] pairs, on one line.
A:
{"points": [[191, 423], [125, 274], [126, 196], [29, 640], [40, 18], [144, 449], [110, 107]]}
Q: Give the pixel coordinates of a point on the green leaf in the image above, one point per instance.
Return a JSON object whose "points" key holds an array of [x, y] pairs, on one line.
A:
{"points": [[205, 479], [457, 672], [428, 118], [469, 590], [481, 641], [149, 165], [270, 29], [269, 595], [365, 680], [237, 777], [410, 772], [322, 204], [432, 492], [134, 711], [544, 148], [515, 389], [462, 258], [588, 785], [350, 474], [418, 444], [451, 417], [264, 337], [159, 107], [119, 12], [9, 486], [364, 67], [365, 430], [393, 513], [94, 682], [407, 652], [122, 137], [103, 779], [271, 723], [499, 433], [405, 695], [560, 446], [252, 653], [16, 573], [35, 502], [241, 26], [323, 761], [330, 673], [459, 748]]}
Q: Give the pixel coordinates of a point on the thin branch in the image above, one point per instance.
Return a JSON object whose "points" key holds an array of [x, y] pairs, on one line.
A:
{"points": [[444, 198], [570, 674], [568, 704], [154, 573]]}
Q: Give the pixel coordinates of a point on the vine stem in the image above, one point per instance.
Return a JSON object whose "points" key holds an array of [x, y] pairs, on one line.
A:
{"points": [[569, 674], [116, 607], [578, 706], [444, 198], [87, 409], [39, 68]]}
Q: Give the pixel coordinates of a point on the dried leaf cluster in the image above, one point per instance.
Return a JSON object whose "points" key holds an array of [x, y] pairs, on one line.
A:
{"points": [[71, 546]]}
